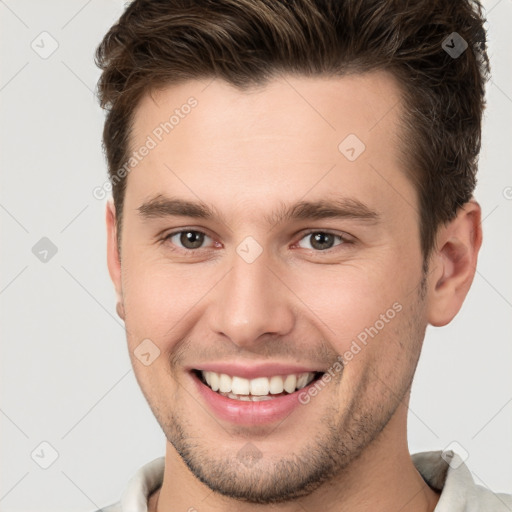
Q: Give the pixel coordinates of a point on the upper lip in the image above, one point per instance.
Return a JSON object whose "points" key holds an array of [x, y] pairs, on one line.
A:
{"points": [[251, 371]]}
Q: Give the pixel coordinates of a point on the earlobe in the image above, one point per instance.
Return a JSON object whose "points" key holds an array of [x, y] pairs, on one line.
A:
{"points": [[113, 259], [120, 310], [454, 263]]}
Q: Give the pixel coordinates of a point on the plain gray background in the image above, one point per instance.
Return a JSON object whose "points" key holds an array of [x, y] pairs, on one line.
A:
{"points": [[66, 377]]}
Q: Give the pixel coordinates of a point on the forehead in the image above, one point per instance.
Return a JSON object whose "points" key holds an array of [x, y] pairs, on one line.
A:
{"points": [[294, 107], [291, 135]]}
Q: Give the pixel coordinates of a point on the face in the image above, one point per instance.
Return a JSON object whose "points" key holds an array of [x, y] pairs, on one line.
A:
{"points": [[305, 257]]}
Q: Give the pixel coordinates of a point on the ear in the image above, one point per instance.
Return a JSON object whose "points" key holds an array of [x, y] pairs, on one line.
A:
{"points": [[454, 264], [113, 257]]}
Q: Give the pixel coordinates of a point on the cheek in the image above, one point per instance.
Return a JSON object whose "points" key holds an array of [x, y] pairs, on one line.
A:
{"points": [[352, 301], [152, 295], [161, 297]]}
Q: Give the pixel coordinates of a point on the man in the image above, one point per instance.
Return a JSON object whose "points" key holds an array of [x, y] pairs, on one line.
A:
{"points": [[292, 206]]}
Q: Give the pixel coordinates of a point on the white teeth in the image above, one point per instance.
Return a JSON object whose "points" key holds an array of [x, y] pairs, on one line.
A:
{"points": [[259, 387], [301, 381], [214, 381], [247, 398], [276, 385], [240, 386], [290, 383], [224, 383]]}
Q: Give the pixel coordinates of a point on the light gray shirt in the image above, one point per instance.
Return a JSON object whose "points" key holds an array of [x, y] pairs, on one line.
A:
{"points": [[443, 471]]}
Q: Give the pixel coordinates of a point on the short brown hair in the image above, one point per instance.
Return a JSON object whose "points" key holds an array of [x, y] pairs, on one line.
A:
{"points": [[247, 42]]}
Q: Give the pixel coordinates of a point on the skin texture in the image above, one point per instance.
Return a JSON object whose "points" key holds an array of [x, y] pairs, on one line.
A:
{"points": [[247, 154]]}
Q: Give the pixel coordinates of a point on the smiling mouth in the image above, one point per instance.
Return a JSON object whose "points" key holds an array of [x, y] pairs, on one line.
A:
{"points": [[258, 389]]}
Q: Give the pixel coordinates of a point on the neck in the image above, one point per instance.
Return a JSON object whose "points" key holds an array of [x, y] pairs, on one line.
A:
{"points": [[382, 478]]}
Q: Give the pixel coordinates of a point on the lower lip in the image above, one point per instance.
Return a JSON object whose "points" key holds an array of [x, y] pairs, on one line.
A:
{"points": [[247, 412]]}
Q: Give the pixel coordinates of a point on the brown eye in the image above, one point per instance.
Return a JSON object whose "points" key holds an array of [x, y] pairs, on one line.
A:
{"points": [[321, 240], [187, 239]]}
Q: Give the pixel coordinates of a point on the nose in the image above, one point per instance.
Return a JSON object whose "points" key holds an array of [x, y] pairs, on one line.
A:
{"points": [[251, 301]]}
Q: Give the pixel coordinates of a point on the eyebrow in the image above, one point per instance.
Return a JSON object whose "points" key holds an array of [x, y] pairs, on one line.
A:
{"points": [[340, 208]]}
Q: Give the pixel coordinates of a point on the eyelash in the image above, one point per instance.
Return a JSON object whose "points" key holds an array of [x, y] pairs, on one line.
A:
{"points": [[344, 240]]}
